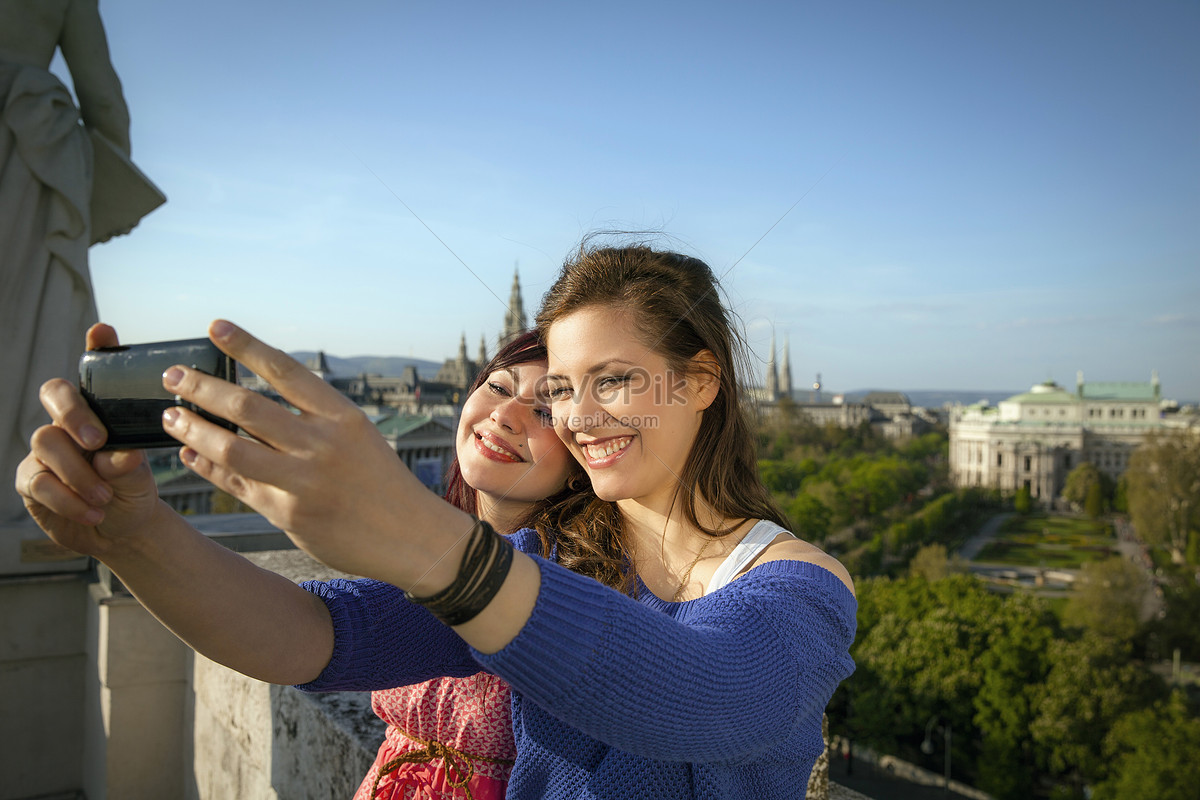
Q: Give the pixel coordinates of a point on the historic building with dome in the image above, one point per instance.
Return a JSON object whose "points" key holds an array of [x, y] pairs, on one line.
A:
{"points": [[1035, 439]]}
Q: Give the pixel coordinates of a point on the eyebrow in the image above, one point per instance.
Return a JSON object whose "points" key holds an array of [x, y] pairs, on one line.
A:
{"points": [[603, 365]]}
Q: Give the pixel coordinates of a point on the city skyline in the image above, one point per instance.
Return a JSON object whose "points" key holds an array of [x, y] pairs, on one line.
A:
{"points": [[935, 196]]}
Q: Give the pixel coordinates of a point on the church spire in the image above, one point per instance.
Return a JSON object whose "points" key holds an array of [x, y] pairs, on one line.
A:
{"points": [[514, 319], [483, 357], [772, 379], [785, 372]]}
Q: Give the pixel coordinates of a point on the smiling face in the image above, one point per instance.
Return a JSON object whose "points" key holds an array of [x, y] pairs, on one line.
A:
{"points": [[621, 410], [507, 448]]}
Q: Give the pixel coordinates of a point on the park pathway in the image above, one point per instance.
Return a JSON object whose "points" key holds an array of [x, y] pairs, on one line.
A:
{"points": [[971, 548]]}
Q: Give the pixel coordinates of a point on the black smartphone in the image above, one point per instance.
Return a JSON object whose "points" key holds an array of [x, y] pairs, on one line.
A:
{"points": [[123, 385]]}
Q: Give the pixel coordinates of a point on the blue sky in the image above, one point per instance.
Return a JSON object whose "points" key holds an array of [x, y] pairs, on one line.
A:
{"points": [[982, 195]]}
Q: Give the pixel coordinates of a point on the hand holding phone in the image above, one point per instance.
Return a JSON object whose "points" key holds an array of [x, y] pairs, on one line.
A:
{"points": [[123, 386]]}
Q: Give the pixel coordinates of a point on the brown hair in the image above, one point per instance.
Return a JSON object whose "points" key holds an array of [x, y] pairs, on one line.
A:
{"points": [[525, 348], [674, 303]]}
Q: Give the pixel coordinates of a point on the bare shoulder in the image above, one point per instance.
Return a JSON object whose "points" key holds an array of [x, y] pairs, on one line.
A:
{"points": [[789, 548]]}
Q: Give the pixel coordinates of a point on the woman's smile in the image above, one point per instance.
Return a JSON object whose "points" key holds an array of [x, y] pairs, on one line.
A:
{"points": [[494, 447], [602, 453]]}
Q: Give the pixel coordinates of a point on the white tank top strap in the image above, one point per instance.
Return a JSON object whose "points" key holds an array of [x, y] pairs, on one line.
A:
{"points": [[762, 534]]}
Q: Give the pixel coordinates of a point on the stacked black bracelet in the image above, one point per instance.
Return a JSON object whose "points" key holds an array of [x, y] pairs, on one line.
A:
{"points": [[483, 569]]}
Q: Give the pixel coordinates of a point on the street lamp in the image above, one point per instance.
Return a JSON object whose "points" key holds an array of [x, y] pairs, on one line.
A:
{"points": [[927, 748]]}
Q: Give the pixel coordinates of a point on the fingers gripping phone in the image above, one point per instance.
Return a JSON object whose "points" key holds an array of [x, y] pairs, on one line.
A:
{"points": [[123, 386]]}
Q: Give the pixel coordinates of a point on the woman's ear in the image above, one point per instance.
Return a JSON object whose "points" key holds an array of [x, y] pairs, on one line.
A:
{"points": [[704, 377]]}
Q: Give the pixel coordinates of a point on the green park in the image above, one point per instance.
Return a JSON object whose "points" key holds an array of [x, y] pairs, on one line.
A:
{"points": [[1059, 697], [1050, 541]]}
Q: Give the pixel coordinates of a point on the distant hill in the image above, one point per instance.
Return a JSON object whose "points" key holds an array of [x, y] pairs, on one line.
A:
{"points": [[936, 398], [387, 366]]}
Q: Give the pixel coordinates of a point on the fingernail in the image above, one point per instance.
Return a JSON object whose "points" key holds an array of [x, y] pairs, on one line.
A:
{"points": [[101, 495], [172, 377], [170, 416], [188, 456], [94, 516], [91, 436], [220, 329]]}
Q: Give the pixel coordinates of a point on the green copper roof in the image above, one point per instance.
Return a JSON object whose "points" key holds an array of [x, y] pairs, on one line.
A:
{"points": [[1050, 393], [1119, 391]]}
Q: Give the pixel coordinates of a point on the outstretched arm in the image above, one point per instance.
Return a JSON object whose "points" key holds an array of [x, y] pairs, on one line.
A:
{"points": [[104, 504], [327, 478]]}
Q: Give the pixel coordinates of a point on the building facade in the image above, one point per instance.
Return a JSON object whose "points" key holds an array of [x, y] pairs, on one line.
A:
{"points": [[890, 413], [1034, 440]]}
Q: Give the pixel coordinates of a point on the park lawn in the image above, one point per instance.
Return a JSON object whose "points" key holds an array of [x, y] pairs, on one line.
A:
{"points": [[1042, 540]]}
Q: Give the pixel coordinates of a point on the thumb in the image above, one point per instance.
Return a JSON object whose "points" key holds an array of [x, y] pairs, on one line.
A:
{"points": [[120, 466]]}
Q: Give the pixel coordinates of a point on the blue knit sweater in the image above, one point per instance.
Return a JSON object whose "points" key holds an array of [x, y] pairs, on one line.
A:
{"points": [[718, 697]]}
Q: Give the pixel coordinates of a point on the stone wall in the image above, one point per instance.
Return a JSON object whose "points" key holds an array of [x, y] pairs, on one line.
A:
{"points": [[255, 741]]}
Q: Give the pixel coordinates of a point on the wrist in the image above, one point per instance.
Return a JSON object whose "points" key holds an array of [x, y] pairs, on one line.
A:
{"points": [[481, 572], [146, 540]]}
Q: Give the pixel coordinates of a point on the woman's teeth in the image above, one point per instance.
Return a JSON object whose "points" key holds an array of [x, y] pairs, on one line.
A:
{"points": [[603, 449], [496, 449]]}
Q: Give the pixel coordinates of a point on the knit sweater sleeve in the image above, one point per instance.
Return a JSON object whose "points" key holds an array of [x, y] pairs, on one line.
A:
{"points": [[721, 679], [381, 640]]}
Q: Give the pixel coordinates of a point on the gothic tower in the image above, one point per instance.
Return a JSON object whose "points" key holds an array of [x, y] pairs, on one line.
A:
{"points": [[514, 319], [785, 372], [772, 379]]}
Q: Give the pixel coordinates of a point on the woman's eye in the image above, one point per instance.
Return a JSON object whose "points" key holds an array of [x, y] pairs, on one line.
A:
{"points": [[613, 383], [560, 393], [544, 414], [497, 388]]}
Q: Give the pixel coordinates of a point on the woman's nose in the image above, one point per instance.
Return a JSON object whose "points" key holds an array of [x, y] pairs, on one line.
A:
{"points": [[508, 415], [581, 412]]}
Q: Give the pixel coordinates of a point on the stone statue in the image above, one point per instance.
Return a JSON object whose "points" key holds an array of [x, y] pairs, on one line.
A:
{"points": [[51, 209]]}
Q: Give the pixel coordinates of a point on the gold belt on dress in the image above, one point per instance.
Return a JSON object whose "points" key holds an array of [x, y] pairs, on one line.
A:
{"points": [[458, 763]]}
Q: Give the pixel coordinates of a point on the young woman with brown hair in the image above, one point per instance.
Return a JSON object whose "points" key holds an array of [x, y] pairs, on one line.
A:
{"points": [[699, 660]]}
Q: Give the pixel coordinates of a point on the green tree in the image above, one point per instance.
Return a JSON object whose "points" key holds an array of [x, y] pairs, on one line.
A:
{"points": [[1120, 500], [1112, 597], [1022, 502], [833, 498], [781, 475], [921, 651], [878, 484], [1152, 753], [1163, 490], [1091, 683], [932, 563], [916, 656], [1082, 482], [1093, 505], [1177, 628], [809, 516], [1012, 667]]}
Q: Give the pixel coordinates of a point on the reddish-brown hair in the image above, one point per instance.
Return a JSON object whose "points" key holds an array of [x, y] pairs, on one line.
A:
{"points": [[526, 348]]}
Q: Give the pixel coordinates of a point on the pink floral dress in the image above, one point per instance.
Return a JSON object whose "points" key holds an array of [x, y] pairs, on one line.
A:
{"points": [[447, 739]]}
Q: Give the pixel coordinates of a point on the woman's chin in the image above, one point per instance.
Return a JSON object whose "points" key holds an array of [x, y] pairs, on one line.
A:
{"points": [[610, 491]]}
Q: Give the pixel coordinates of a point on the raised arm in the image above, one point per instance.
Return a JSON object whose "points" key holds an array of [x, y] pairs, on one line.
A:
{"points": [[327, 478], [105, 504]]}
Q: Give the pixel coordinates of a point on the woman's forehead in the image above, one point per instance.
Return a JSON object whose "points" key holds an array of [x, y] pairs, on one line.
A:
{"points": [[525, 372], [591, 333]]}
